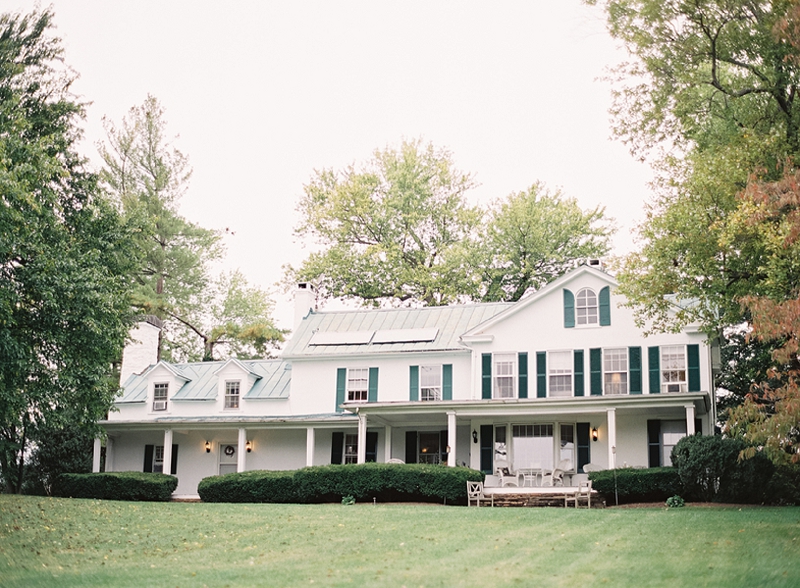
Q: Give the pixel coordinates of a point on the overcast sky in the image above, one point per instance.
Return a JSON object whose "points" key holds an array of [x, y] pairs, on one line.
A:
{"points": [[259, 94]]}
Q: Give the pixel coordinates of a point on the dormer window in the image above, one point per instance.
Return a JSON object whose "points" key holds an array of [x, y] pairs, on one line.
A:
{"points": [[232, 390], [160, 392], [586, 307]]}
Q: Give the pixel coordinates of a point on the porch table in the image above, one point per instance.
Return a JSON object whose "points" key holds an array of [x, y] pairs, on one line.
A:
{"points": [[531, 475]]}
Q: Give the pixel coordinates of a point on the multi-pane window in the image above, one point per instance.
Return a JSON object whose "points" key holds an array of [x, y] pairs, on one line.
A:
{"points": [[158, 458], [430, 382], [586, 307], [560, 373], [673, 368], [429, 450], [160, 392], [671, 433], [357, 384], [615, 371], [504, 368], [533, 446], [350, 448], [232, 394], [567, 446]]}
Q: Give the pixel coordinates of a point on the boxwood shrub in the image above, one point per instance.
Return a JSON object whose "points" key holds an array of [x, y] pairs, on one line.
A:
{"points": [[365, 482], [117, 486], [637, 485]]}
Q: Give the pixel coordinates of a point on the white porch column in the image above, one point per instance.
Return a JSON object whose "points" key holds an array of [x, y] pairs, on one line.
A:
{"points": [[241, 462], [167, 451], [309, 446], [109, 454], [98, 445], [690, 419], [387, 444], [451, 438], [611, 419], [362, 438]]}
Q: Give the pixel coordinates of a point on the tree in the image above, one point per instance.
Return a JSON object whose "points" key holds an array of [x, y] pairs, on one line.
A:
{"points": [[391, 231], [148, 176], [64, 257], [533, 237]]}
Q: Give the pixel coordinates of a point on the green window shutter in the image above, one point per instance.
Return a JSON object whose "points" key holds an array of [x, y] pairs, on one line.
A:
{"points": [[604, 304], [337, 445], [447, 381], [596, 371], [541, 374], [635, 369], [341, 387], [372, 447], [654, 443], [148, 459], [487, 449], [411, 447], [486, 376], [577, 357], [372, 392], [584, 449], [522, 363], [174, 467], [693, 361], [654, 370], [569, 309], [413, 383]]}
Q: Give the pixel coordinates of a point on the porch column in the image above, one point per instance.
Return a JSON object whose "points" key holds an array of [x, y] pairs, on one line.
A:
{"points": [[167, 451], [109, 454], [451, 438], [362, 438], [309, 446], [387, 444], [241, 462], [611, 419], [98, 445], [690, 419]]}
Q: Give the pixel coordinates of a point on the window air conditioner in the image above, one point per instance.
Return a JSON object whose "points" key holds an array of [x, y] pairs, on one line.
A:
{"points": [[673, 387], [160, 405]]}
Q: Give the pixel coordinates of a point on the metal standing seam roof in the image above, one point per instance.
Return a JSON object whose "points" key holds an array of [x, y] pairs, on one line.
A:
{"points": [[273, 381], [451, 322]]}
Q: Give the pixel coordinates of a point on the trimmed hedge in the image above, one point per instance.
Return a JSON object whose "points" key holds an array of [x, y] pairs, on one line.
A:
{"points": [[637, 485], [365, 482], [117, 486]]}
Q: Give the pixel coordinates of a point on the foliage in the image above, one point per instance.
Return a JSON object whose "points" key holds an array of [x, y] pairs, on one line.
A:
{"points": [[784, 485], [711, 471], [675, 502], [533, 237], [201, 316], [64, 254], [390, 230], [66, 449], [348, 500], [384, 482], [637, 485], [117, 486]]}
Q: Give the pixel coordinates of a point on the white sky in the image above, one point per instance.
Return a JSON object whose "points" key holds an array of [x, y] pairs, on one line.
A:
{"points": [[261, 93]]}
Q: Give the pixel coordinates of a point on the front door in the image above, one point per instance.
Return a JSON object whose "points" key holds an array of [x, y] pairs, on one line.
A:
{"points": [[228, 458]]}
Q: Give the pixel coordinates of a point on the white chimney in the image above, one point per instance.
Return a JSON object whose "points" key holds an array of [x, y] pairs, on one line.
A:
{"points": [[305, 300], [142, 350]]}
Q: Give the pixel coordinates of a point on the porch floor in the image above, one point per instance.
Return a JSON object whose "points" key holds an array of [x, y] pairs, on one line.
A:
{"points": [[536, 496]]}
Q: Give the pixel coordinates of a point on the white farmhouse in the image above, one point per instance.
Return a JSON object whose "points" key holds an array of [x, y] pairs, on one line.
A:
{"points": [[561, 378]]}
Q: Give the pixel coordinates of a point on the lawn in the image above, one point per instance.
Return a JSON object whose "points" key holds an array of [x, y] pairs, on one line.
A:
{"points": [[62, 542]]}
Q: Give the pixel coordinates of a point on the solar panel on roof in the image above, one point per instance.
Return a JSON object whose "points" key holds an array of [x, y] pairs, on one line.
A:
{"points": [[341, 338], [405, 335]]}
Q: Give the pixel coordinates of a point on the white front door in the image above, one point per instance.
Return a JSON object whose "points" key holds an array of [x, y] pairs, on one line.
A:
{"points": [[228, 456]]}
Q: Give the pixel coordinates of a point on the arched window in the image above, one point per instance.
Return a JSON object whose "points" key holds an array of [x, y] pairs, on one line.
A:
{"points": [[586, 307]]}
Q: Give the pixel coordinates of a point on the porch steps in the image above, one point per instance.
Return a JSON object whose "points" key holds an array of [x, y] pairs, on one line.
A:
{"points": [[539, 499]]}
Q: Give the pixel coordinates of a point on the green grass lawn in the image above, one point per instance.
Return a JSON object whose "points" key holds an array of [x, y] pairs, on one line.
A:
{"points": [[62, 542]]}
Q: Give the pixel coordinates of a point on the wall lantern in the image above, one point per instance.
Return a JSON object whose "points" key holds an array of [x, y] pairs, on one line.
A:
{"points": [[594, 434], [249, 446], [208, 446], [474, 436]]}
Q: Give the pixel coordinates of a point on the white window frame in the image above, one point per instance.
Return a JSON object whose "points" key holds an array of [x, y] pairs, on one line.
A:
{"points": [[615, 371], [587, 308], [504, 385], [233, 390], [671, 431], [158, 459], [429, 457], [356, 391], [160, 400], [674, 369], [350, 453], [567, 448], [560, 374], [430, 383]]}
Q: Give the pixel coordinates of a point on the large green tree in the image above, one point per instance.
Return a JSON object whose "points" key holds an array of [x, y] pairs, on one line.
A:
{"points": [[202, 316], [64, 258]]}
